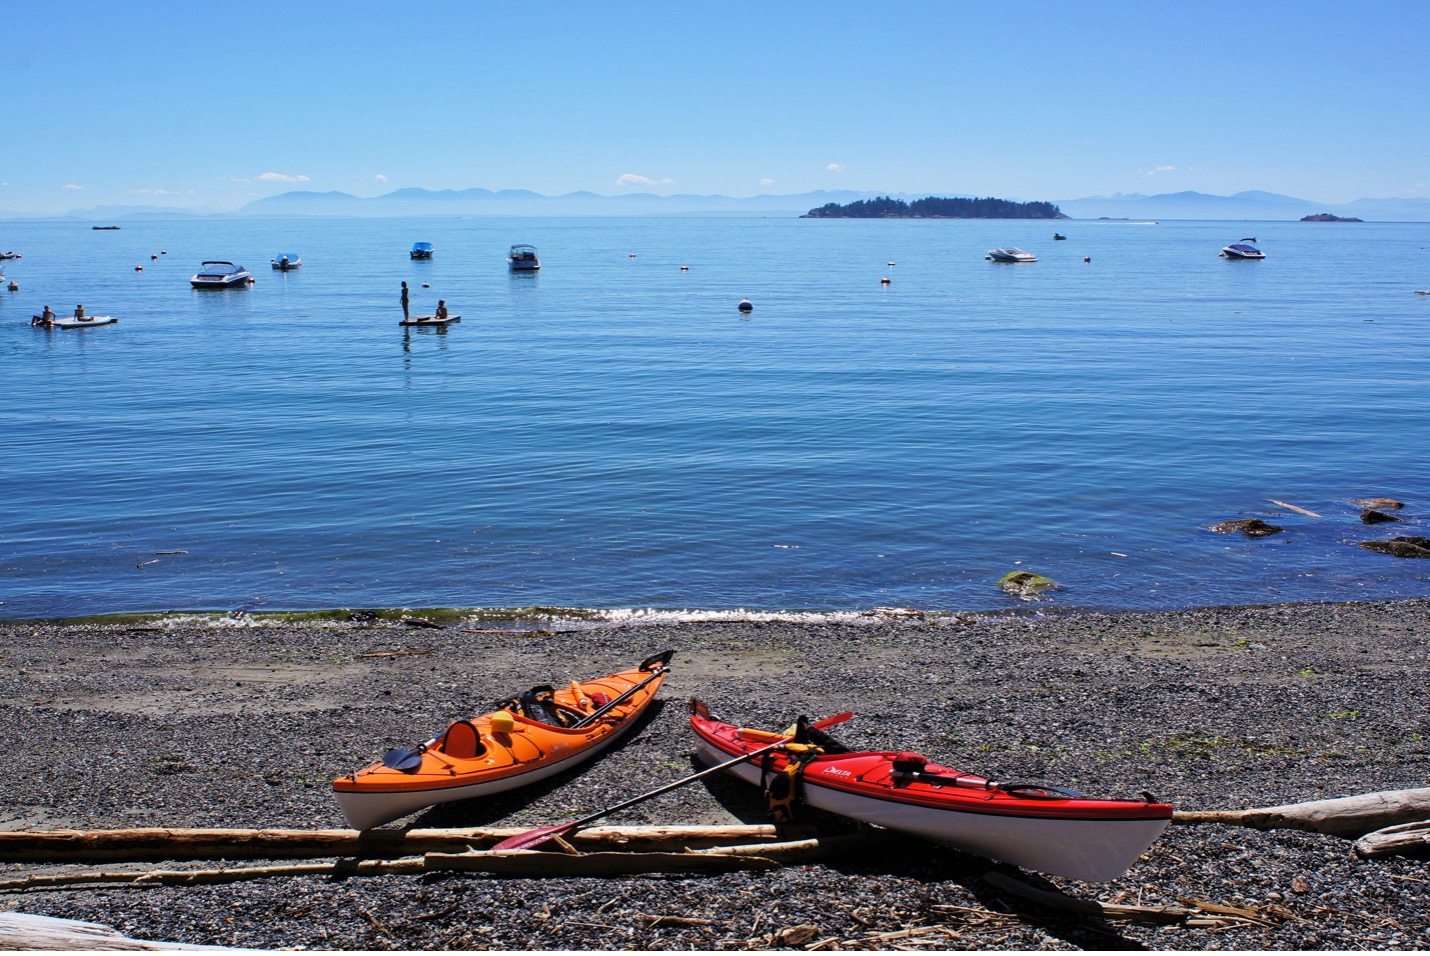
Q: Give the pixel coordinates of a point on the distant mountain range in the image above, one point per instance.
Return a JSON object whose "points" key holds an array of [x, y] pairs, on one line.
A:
{"points": [[1254, 205]]}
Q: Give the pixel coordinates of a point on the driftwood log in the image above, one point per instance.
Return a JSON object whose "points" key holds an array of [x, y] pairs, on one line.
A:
{"points": [[1344, 817], [24, 931], [74, 846], [1405, 839], [509, 863]]}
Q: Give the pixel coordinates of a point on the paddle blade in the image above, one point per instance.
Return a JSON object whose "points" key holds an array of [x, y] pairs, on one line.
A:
{"points": [[400, 758], [832, 721], [532, 839]]}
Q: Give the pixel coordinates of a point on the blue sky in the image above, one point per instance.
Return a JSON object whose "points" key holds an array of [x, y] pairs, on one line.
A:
{"points": [[149, 103]]}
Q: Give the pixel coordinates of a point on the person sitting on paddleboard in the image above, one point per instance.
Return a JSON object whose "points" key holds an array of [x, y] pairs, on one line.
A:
{"points": [[441, 310], [79, 312]]}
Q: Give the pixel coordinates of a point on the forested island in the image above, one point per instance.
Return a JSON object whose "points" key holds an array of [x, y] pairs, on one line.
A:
{"points": [[936, 207]]}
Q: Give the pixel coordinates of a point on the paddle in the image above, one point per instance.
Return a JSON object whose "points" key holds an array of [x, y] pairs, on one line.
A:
{"points": [[534, 838]]}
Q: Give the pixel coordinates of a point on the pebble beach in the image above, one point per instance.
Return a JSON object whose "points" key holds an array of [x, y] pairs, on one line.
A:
{"points": [[190, 722]]}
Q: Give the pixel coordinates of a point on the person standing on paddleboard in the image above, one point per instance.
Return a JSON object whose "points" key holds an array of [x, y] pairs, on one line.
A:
{"points": [[404, 302]]}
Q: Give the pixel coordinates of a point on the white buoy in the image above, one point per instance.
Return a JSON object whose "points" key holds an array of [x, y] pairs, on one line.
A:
{"points": [[891, 265], [684, 268], [884, 281], [138, 268], [746, 305]]}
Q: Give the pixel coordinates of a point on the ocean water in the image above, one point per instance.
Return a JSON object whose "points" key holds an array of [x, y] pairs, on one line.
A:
{"points": [[612, 433]]}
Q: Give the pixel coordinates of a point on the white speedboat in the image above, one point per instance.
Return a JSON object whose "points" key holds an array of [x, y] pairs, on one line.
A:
{"points": [[287, 263], [1242, 250], [219, 274], [1010, 254], [522, 258]]}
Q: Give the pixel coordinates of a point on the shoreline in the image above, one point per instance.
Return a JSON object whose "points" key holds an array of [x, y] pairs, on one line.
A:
{"points": [[195, 723]]}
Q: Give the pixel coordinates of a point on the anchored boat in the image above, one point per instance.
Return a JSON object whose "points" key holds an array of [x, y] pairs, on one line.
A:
{"points": [[219, 274], [1010, 254], [1242, 250], [522, 258], [527, 738], [1037, 826], [421, 250], [286, 262]]}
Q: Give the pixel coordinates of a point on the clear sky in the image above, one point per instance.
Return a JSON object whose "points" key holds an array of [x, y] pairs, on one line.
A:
{"points": [[212, 105]]}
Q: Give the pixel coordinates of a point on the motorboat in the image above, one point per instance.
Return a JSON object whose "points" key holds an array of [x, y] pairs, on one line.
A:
{"points": [[421, 250], [522, 258], [1034, 825], [219, 274], [1010, 254], [1243, 250], [1058, 235], [531, 736], [286, 262], [9, 255]]}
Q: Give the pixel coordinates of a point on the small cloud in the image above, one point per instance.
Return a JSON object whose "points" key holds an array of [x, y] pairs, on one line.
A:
{"points": [[1161, 169], [72, 186], [153, 192], [281, 178], [767, 182], [632, 179], [379, 178], [834, 167]]}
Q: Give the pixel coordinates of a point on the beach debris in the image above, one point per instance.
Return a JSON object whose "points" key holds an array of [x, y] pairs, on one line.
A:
{"points": [[1380, 504], [217, 843], [1251, 527], [1372, 516], [1298, 510], [1403, 839], [1344, 816], [168, 552], [25, 931], [421, 622], [1026, 584], [1401, 546]]}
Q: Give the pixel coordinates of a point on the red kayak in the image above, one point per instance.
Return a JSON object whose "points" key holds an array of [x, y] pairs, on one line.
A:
{"points": [[1031, 825]]}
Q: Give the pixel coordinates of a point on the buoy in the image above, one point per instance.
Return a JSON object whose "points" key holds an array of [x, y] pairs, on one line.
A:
{"points": [[163, 252], [1087, 258], [13, 286], [138, 268], [251, 280], [746, 305], [153, 258], [684, 268], [891, 265], [426, 285], [884, 281]]}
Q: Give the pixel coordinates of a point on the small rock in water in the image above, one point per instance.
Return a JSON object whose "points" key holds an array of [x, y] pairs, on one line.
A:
{"points": [[1380, 504], [1402, 546], [1251, 527], [1026, 584], [1371, 516]]}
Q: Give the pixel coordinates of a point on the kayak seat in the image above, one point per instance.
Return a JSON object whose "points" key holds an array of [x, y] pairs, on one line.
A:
{"points": [[462, 741]]}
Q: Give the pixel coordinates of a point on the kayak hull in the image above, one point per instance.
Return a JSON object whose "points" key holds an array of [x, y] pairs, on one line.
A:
{"points": [[501, 750], [1092, 840]]}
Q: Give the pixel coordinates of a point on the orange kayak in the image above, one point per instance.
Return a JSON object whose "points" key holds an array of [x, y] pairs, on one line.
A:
{"points": [[530, 737]]}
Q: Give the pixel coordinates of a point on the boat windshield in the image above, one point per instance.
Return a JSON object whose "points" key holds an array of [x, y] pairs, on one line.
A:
{"points": [[422, 247], [1243, 247], [219, 269]]}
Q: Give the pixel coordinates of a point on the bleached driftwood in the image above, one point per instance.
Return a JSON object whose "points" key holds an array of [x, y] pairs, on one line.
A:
{"points": [[1345, 817], [136, 845], [227, 874], [1405, 839], [24, 931], [540, 863]]}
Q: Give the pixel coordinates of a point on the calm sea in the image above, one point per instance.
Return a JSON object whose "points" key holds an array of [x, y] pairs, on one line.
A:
{"points": [[612, 433]]}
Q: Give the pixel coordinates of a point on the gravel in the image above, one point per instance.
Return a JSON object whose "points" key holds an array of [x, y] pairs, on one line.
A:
{"points": [[245, 723]]}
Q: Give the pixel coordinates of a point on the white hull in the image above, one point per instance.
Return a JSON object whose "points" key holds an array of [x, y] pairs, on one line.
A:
{"points": [[1092, 850], [523, 265], [73, 323], [366, 810]]}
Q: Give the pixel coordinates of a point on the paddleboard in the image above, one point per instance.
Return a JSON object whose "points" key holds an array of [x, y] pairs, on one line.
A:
{"points": [[70, 322], [430, 320]]}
